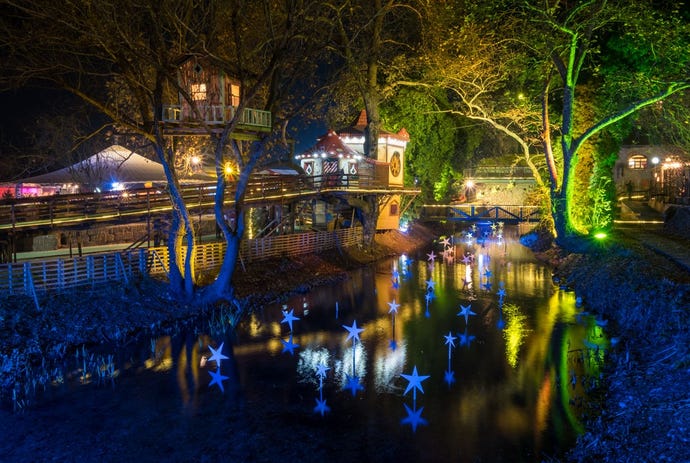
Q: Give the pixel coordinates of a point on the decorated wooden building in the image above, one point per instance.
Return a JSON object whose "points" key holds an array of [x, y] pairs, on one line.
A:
{"points": [[338, 159]]}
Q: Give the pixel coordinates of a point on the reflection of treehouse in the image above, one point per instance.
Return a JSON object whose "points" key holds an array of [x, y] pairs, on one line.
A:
{"points": [[208, 99]]}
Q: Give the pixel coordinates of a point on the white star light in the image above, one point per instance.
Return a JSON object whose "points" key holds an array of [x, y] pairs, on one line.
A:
{"points": [[353, 331], [217, 355], [393, 307], [321, 370]]}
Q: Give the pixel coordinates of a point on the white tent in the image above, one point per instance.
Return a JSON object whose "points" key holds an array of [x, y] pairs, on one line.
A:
{"points": [[113, 166], [116, 167]]}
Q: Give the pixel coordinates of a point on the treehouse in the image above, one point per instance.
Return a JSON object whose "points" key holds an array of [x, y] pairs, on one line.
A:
{"points": [[208, 98]]}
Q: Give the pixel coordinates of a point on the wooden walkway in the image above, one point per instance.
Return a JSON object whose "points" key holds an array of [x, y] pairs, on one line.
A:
{"points": [[47, 212]]}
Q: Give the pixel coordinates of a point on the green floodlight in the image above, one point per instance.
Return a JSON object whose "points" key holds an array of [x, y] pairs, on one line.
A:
{"points": [[600, 235]]}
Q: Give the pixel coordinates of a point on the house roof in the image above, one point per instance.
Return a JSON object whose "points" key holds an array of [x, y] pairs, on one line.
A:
{"points": [[332, 146]]}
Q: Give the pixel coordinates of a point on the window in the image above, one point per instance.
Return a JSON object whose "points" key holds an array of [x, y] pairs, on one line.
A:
{"points": [[393, 211], [234, 95], [198, 92], [637, 161]]}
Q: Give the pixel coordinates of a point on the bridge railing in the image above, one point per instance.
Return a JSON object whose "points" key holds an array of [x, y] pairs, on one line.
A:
{"points": [[50, 211], [476, 212], [58, 274]]}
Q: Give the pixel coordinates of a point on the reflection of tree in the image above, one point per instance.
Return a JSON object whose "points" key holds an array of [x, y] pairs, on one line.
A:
{"points": [[514, 332]]}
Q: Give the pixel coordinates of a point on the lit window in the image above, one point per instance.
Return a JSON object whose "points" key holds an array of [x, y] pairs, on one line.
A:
{"points": [[198, 92], [637, 161], [393, 209], [234, 94]]}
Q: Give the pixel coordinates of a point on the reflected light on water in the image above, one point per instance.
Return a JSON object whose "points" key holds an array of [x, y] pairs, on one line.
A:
{"points": [[514, 332]]}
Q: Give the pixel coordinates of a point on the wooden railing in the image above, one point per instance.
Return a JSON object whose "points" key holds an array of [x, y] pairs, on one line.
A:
{"points": [[219, 114], [56, 210], [40, 276], [473, 212]]}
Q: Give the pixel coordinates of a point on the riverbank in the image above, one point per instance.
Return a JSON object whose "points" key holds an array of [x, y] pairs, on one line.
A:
{"points": [[645, 300]]}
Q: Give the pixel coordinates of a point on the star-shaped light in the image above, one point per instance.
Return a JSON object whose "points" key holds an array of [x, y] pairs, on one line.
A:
{"points": [[466, 311], [396, 274], [501, 293], [487, 285], [465, 339], [353, 331], [392, 344], [396, 284], [353, 384], [393, 307], [487, 273], [450, 339], [414, 418], [289, 346], [217, 378], [321, 370], [446, 242], [430, 284], [500, 324], [289, 317], [321, 407], [415, 382], [449, 377], [466, 259], [217, 355], [431, 256]]}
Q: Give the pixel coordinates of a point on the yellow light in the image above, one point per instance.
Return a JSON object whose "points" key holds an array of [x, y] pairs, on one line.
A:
{"points": [[600, 235], [195, 160], [228, 168]]}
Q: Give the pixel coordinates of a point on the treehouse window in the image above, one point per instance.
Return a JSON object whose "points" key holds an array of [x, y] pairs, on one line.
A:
{"points": [[393, 211], [198, 92], [637, 161], [234, 95]]}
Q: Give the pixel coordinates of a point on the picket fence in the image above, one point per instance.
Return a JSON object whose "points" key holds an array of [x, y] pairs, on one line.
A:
{"points": [[35, 277]]}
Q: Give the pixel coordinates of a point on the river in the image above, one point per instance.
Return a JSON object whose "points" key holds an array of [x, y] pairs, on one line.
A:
{"points": [[467, 352]]}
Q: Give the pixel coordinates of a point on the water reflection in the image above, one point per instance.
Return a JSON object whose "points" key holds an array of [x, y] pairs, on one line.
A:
{"points": [[508, 383]]}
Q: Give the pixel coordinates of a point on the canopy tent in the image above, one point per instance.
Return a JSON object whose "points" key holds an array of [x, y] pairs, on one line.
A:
{"points": [[116, 167]]}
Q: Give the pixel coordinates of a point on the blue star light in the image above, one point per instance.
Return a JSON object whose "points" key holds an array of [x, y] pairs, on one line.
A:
{"points": [[392, 344], [415, 382], [414, 418], [353, 384], [217, 355], [466, 311], [450, 339], [449, 377], [289, 346], [288, 317], [353, 331], [430, 284], [217, 378], [465, 339], [321, 407]]}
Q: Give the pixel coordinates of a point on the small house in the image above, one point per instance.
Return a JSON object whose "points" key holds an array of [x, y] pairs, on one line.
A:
{"points": [[207, 97]]}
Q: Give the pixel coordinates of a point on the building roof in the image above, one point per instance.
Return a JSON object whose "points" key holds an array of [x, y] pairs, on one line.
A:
{"points": [[331, 146]]}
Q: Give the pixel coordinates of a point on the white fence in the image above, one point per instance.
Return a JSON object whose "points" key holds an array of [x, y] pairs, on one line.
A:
{"points": [[58, 274]]}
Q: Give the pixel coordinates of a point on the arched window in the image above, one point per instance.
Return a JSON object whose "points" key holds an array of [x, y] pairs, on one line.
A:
{"points": [[637, 161]]}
